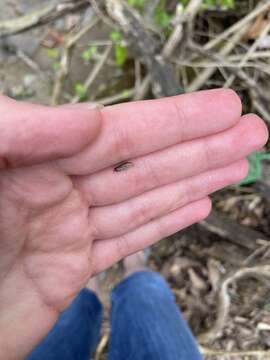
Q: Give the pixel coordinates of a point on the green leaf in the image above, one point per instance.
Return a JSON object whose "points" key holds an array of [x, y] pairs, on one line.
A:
{"points": [[121, 55], [81, 91], [53, 53], [213, 4], [255, 167], [137, 3], [116, 36], [228, 4], [56, 66], [120, 50], [162, 17], [88, 54]]}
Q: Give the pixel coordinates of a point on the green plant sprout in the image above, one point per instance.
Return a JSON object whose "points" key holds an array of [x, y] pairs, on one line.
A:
{"points": [[53, 53], [162, 17], [120, 50], [81, 91], [213, 4], [139, 4], [89, 53], [56, 65], [255, 167]]}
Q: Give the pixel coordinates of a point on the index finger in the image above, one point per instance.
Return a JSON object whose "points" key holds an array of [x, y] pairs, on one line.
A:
{"points": [[137, 128], [31, 134]]}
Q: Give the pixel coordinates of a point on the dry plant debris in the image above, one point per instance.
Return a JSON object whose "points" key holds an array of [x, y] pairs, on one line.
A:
{"points": [[110, 51]]}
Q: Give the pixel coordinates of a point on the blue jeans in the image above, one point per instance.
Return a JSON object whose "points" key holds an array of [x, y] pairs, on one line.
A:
{"points": [[146, 324]]}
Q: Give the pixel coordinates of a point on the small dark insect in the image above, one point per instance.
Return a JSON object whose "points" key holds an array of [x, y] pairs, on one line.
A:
{"points": [[125, 165]]}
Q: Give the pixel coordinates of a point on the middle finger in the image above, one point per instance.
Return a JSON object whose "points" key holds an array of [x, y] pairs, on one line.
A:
{"points": [[174, 163]]}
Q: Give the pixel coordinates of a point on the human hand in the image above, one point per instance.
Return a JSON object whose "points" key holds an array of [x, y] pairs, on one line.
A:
{"points": [[67, 212]]}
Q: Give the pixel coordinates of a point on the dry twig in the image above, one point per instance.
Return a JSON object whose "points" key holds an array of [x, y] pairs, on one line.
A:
{"points": [[244, 354], [40, 17], [174, 40], [94, 73], [201, 80], [261, 273], [123, 96], [260, 9], [102, 345], [65, 59], [248, 54], [228, 229], [257, 92], [145, 48]]}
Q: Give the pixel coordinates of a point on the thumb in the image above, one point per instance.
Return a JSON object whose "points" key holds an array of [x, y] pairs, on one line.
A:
{"points": [[31, 134]]}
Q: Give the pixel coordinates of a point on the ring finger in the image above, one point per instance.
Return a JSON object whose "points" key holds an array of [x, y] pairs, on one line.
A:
{"points": [[135, 212]]}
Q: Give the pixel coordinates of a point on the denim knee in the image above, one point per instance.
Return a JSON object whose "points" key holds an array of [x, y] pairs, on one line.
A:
{"points": [[142, 284]]}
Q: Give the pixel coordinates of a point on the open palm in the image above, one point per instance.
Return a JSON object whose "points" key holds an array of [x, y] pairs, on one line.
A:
{"points": [[68, 210]]}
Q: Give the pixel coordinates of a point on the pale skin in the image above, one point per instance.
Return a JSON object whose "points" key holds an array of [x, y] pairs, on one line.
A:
{"points": [[66, 215]]}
